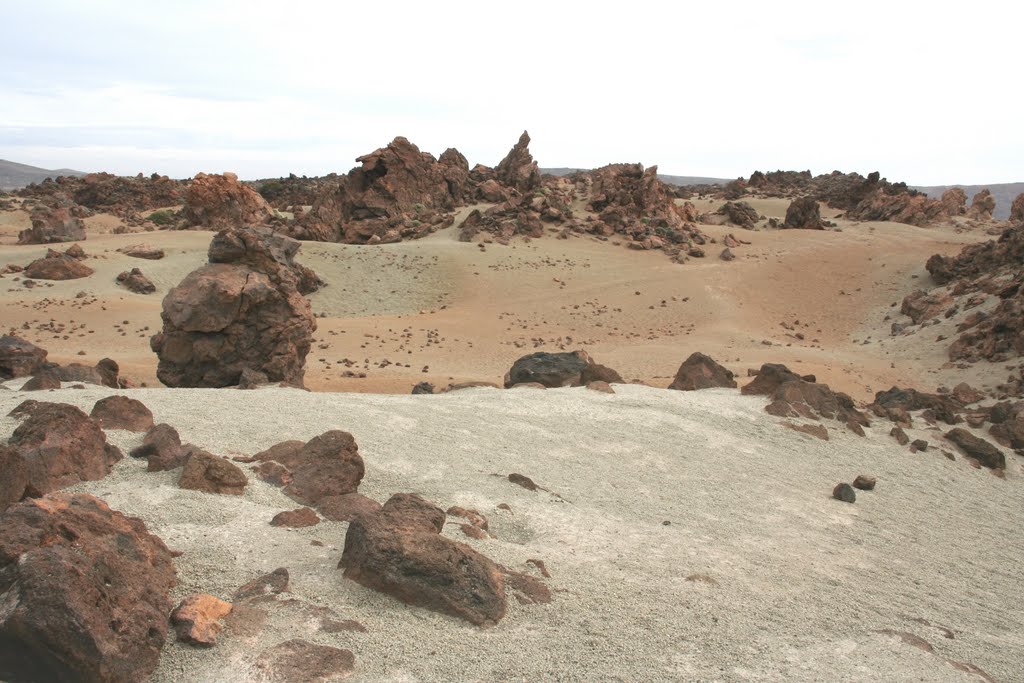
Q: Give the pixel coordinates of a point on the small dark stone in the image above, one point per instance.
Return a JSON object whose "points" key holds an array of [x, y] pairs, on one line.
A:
{"points": [[845, 493]]}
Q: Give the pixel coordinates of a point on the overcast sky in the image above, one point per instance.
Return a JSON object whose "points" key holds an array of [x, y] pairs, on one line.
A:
{"points": [[923, 92]]}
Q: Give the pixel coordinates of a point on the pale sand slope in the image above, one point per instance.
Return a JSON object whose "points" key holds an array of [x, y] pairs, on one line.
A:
{"points": [[802, 583], [483, 309]]}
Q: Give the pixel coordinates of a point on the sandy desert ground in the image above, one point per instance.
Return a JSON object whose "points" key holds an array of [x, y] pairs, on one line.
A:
{"points": [[443, 311], [744, 569]]}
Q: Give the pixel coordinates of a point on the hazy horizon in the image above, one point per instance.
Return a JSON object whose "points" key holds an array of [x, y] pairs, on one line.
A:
{"points": [[265, 90]]}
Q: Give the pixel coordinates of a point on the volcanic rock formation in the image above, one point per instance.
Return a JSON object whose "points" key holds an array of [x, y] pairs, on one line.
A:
{"points": [[220, 201]]}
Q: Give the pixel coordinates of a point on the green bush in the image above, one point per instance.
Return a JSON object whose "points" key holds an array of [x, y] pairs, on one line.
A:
{"points": [[165, 217]]}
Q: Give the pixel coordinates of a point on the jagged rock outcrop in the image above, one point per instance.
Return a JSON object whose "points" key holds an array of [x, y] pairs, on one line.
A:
{"points": [[220, 201], [397, 193], [244, 312], [794, 396], [53, 223], [518, 170], [85, 592], [804, 213], [455, 169], [263, 250], [740, 213], [954, 202], [1017, 209], [982, 206]]}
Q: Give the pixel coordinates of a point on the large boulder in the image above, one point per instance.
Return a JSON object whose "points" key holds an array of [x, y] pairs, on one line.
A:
{"points": [[570, 369], [19, 358], [804, 213], [263, 250], [954, 202], [701, 372], [85, 593], [206, 472], [740, 213], [57, 266], [895, 403], [518, 170], [220, 201], [399, 551], [455, 169], [791, 395], [52, 224], [243, 313], [122, 412], [56, 446], [105, 373], [922, 306]]}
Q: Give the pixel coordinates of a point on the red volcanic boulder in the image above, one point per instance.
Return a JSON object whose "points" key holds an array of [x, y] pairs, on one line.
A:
{"points": [[398, 192], [518, 170], [220, 201], [741, 214], [982, 206], [104, 373], [85, 593], [134, 281], [57, 445], [207, 473], [328, 465], [142, 251], [162, 449], [1017, 209], [57, 266], [44, 380], [346, 507], [19, 358], [770, 377], [701, 372], [53, 224], [124, 195], [399, 551], [224, 318], [895, 403], [922, 305], [977, 448], [804, 213], [302, 517], [121, 412], [954, 202]]}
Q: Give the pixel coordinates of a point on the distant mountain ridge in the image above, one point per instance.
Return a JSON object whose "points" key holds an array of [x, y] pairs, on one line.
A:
{"points": [[14, 176], [1004, 194]]}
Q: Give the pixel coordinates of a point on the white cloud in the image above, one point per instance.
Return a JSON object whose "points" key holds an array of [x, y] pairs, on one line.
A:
{"points": [[921, 92]]}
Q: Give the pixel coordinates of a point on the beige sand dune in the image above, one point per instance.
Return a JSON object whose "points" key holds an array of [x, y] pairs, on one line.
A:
{"points": [[692, 538]]}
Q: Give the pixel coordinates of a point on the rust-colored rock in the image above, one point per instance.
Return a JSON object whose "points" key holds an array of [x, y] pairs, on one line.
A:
{"points": [[134, 281], [399, 551], [922, 305], [1017, 209], [52, 224], [570, 369], [19, 358], [197, 620], [864, 482], [977, 448], [794, 396], [740, 213], [299, 661], [804, 213], [57, 266], [296, 519], [954, 202], [226, 317], [274, 583], [121, 412], [700, 371], [264, 251], [206, 472], [982, 206], [44, 380], [220, 201], [328, 465], [57, 446], [162, 448], [346, 507], [85, 593]]}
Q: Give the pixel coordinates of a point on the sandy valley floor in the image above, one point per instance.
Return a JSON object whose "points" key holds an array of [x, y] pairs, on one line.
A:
{"points": [[441, 310]]}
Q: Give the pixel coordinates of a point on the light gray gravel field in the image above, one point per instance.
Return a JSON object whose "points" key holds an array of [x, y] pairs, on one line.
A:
{"points": [[689, 538]]}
